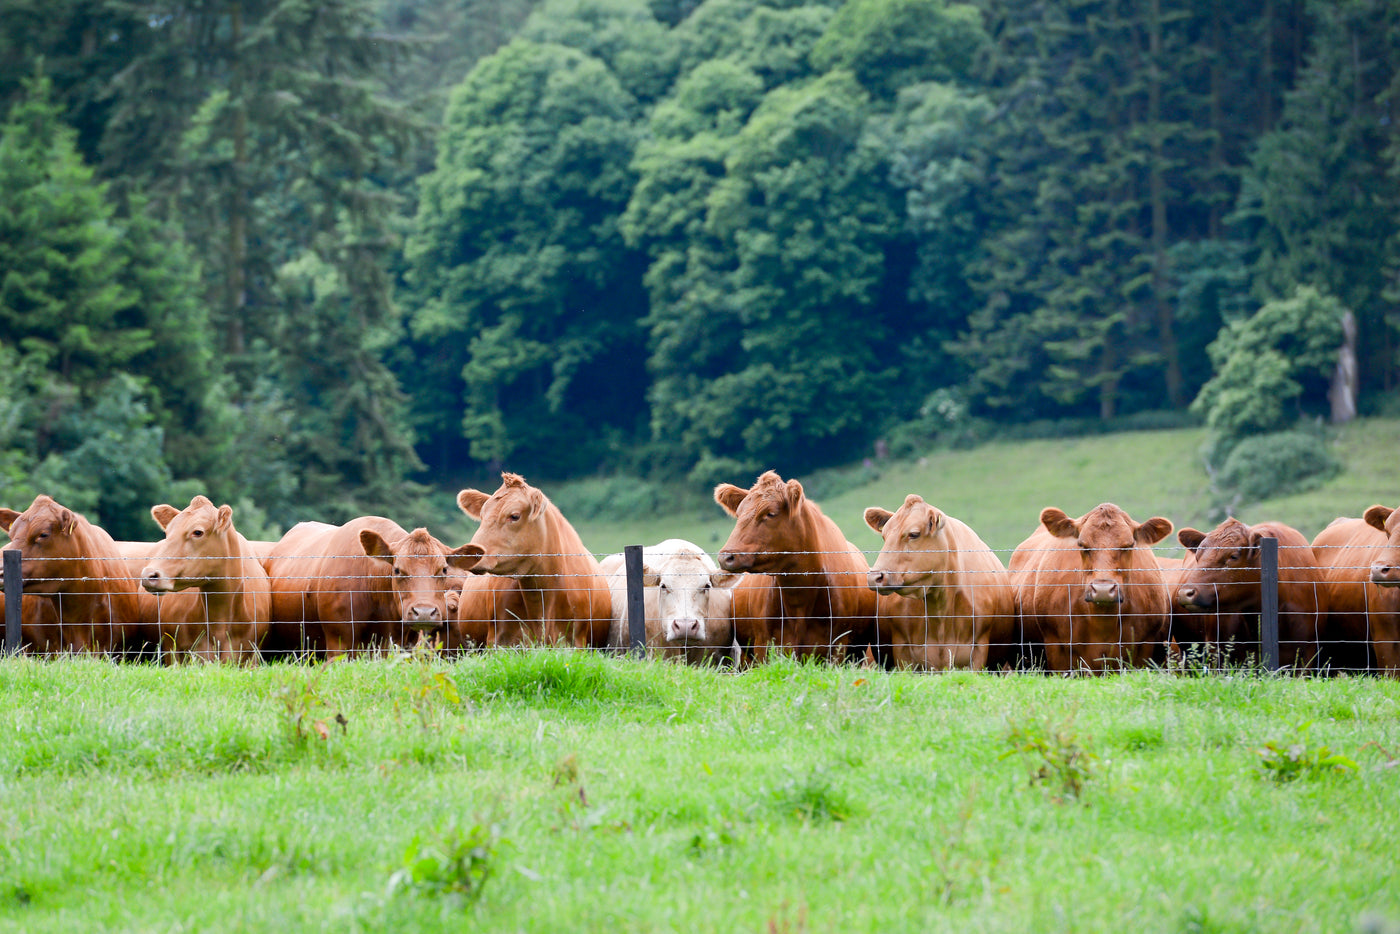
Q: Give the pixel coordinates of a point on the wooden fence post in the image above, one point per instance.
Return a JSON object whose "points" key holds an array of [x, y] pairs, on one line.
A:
{"points": [[636, 602], [1268, 603], [14, 600]]}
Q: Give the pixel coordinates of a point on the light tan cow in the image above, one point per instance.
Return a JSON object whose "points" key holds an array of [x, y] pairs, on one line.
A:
{"points": [[969, 617], [523, 535], [202, 549], [688, 602]]}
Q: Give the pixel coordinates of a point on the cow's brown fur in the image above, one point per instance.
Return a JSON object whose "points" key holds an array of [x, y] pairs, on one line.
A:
{"points": [[367, 582], [808, 591], [1360, 561], [969, 617], [202, 549], [523, 535], [1091, 591], [1221, 591]]}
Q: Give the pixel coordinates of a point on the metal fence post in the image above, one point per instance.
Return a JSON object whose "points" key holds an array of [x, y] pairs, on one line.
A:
{"points": [[1268, 603], [14, 600], [636, 602]]}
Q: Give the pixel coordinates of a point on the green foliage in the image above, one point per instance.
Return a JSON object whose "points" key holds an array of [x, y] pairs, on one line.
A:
{"points": [[304, 708], [451, 862], [1278, 464], [1298, 758], [812, 798], [1053, 755], [433, 689], [892, 44], [1269, 366]]}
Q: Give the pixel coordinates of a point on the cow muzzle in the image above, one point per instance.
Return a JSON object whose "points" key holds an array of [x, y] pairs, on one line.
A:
{"points": [[1385, 575], [156, 581], [1195, 598], [685, 630], [1103, 592], [423, 617], [736, 560]]}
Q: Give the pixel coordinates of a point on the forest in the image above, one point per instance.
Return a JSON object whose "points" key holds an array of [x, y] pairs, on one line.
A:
{"points": [[315, 258]]}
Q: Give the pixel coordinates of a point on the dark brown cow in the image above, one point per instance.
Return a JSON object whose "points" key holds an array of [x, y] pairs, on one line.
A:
{"points": [[1091, 591], [1360, 560], [203, 549], [1221, 589], [807, 590], [367, 582], [969, 617], [486, 611], [525, 536], [41, 630], [93, 578]]}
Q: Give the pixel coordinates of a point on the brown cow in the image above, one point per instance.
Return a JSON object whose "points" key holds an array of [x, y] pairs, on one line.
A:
{"points": [[203, 549], [806, 588], [41, 630], [102, 607], [1091, 591], [1359, 565], [525, 536], [1221, 589], [485, 612], [367, 582], [969, 617]]}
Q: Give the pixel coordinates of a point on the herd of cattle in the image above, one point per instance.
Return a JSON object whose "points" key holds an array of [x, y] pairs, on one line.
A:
{"points": [[1085, 594]]}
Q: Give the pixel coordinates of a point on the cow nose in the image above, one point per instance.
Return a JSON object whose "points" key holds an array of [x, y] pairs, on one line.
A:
{"points": [[875, 579], [1186, 596], [423, 615], [734, 560], [1102, 591], [1385, 574], [679, 629]]}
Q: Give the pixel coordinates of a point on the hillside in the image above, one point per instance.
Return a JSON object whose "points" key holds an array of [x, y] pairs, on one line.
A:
{"points": [[1000, 488]]}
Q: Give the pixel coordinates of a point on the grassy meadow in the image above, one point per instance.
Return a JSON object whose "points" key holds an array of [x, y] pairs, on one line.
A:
{"points": [[562, 791]]}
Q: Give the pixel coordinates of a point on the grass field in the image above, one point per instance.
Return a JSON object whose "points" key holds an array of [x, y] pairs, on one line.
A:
{"points": [[1000, 488], [561, 792]]}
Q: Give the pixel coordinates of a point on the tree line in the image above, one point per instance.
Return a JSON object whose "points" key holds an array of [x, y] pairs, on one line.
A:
{"points": [[307, 256]]}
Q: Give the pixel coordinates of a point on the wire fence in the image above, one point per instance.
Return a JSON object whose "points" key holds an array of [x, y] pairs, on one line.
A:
{"points": [[924, 613]]}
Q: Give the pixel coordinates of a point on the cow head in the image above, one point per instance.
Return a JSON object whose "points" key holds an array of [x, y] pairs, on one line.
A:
{"points": [[513, 526], [418, 567], [51, 540], [196, 549], [1109, 543], [691, 594], [1223, 573], [1385, 569], [915, 551], [768, 527]]}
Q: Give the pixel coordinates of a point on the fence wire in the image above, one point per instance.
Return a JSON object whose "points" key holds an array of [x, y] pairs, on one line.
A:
{"points": [[928, 614]]}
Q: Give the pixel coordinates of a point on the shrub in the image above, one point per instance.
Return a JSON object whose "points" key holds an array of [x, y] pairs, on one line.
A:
{"points": [[1276, 464]]}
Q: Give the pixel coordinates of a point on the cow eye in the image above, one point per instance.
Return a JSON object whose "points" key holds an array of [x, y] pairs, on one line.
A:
{"points": [[197, 533], [515, 517], [665, 589], [41, 536], [914, 534], [1235, 555], [442, 572], [400, 572]]}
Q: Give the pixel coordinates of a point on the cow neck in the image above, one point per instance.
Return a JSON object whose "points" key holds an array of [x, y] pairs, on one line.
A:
{"points": [[566, 568], [223, 590], [105, 587]]}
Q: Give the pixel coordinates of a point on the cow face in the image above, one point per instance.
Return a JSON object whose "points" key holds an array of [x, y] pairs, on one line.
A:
{"points": [[1108, 542], [1223, 575], [418, 567], [47, 537], [196, 549], [767, 527], [513, 527], [915, 552], [1385, 570], [690, 595]]}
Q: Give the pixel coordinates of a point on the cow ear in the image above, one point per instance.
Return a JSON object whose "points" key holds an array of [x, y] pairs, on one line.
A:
{"points": [[649, 576], [537, 502], [7, 519], [224, 518], [163, 514], [1152, 531], [67, 521], [1376, 516], [471, 501], [375, 546], [1058, 524], [935, 519], [724, 579], [465, 557], [794, 495], [729, 497], [876, 518], [1190, 538]]}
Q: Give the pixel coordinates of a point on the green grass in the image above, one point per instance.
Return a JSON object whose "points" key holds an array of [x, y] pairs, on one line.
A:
{"points": [[1000, 488], [548, 792]]}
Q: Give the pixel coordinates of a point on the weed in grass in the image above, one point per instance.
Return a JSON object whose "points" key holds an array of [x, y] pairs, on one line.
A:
{"points": [[1391, 759], [715, 839], [780, 923], [301, 703], [1289, 761], [451, 862], [952, 867], [813, 799], [1053, 755], [433, 689]]}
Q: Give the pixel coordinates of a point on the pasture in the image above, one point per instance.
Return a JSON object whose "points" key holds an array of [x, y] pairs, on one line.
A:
{"points": [[549, 791]]}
